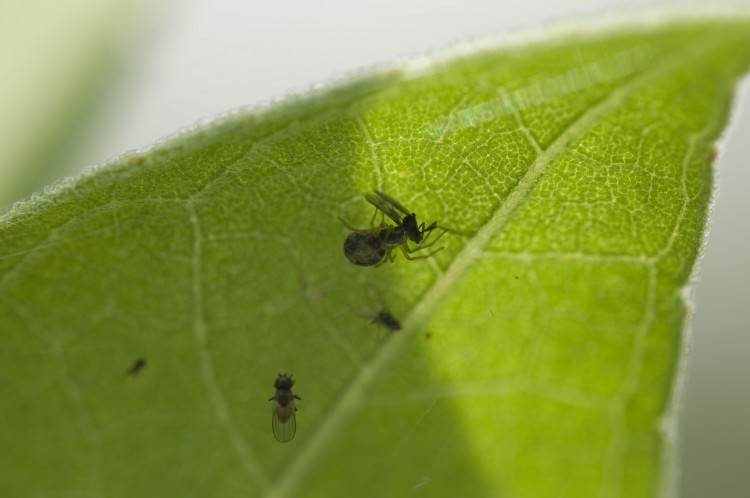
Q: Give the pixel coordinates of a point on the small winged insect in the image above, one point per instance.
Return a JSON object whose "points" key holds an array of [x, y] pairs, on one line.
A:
{"points": [[284, 420], [374, 246], [384, 318]]}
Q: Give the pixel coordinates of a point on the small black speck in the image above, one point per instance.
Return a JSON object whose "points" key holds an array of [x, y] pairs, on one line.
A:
{"points": [[137, 366]]}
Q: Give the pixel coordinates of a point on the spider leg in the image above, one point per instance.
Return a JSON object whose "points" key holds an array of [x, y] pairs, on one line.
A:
{"points": [[382, 218], [347, 225], [389, 256], [424, 245], [426, 232], [407, 252]]}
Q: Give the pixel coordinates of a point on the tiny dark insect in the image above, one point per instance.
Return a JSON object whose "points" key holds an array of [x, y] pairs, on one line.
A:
{"points": [[384, 317], [283, 420], [137, 366], [374, 246]]}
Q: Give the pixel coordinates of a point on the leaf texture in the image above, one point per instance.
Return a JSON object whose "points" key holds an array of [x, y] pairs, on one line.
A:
{"points": [[538, 349]]}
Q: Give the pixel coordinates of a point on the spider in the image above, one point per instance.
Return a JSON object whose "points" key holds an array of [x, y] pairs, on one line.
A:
{"points": [[374, 246]]}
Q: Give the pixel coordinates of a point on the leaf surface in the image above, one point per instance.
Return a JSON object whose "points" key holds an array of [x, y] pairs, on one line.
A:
{"points": [[538, 350]]}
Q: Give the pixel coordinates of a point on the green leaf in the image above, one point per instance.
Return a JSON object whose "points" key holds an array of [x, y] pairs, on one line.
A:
{"points": [[538, 349]]}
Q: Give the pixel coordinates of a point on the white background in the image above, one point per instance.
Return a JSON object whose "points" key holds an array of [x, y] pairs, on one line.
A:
{"points": [[203, 57]]}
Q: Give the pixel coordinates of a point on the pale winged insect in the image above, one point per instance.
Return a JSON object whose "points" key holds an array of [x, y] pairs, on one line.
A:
{"points": [[284, 419], [374, 246]]}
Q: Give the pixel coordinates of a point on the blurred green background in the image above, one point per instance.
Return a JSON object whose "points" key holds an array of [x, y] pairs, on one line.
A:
{"points": [[82, 81]]}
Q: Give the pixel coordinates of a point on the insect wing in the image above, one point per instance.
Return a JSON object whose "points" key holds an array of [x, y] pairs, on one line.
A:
{"points": [[393, 202], [283, 422], [383, 204]]}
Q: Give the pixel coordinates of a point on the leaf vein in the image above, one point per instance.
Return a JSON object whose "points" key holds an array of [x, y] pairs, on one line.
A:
{"points": [[248, 461]]}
